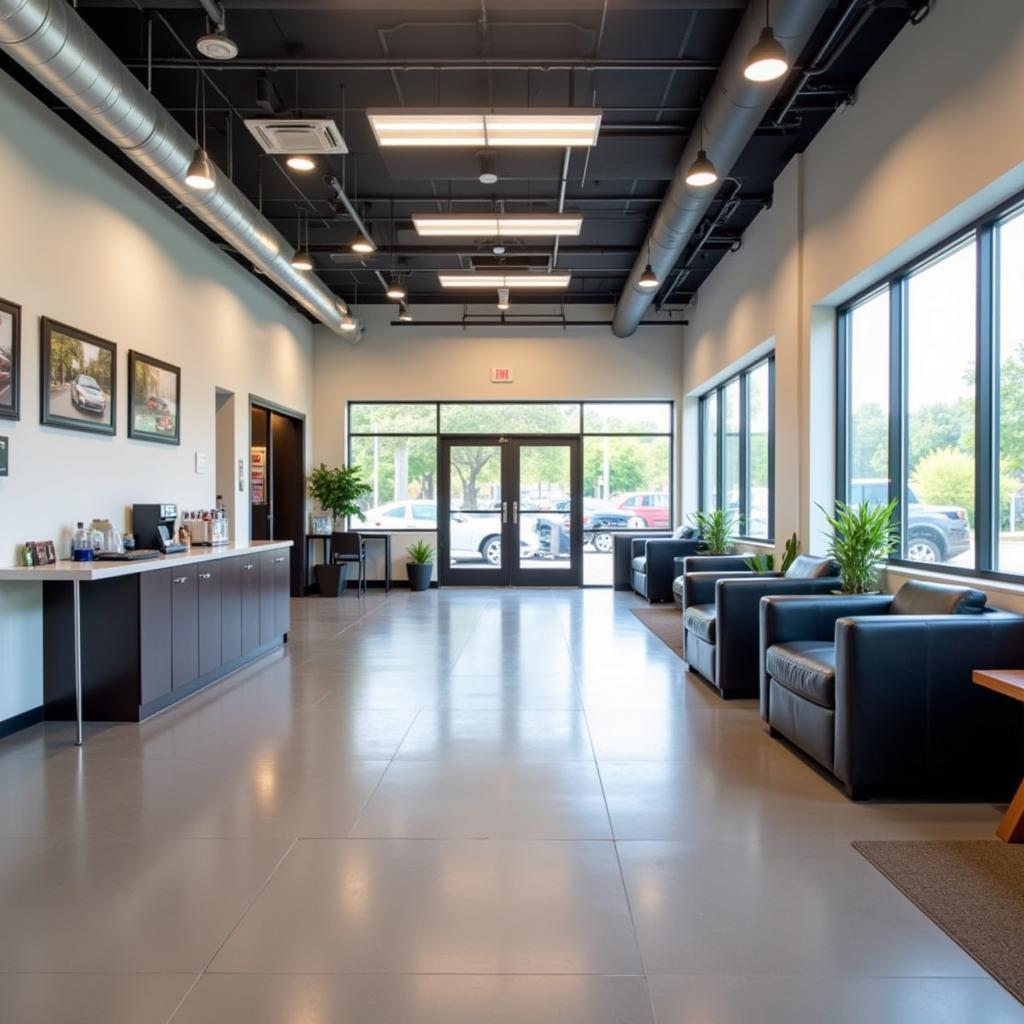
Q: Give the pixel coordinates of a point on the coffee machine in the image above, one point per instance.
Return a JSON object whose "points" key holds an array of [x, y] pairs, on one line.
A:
{"points": [[155, 526]]}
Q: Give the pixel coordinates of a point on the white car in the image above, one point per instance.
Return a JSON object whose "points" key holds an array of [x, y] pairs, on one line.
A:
{"points": [[473, 537]]}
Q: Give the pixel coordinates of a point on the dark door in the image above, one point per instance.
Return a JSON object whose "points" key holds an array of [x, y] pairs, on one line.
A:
{"points": [[250, 588], [231, 608], [259, 473], [184, 626], [288, 491], [210, 617], [510, 511]]}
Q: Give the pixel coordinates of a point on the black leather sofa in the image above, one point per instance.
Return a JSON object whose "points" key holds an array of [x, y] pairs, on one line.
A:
{"points": [[653, 568], [878, 691], [721, 600]]}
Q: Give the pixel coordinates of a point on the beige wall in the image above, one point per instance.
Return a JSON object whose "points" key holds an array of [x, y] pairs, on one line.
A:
{"points": [[86, 244], [931, 143]]}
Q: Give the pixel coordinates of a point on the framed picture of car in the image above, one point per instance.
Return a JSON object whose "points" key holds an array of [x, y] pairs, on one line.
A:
{"points": [[154, 397], [10, 359], [78, 379]]}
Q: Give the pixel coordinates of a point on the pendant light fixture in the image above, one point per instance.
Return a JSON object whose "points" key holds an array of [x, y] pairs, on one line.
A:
{"points": [[396, 291], [404, 315], [200, 171], [767, 59], [702, 171], [301, 259], [648, 279], [503, 302], [362, 243]]}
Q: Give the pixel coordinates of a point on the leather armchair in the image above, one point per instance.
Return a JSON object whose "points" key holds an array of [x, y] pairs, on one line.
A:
{"points": [[622, 555], [721, 600], [652, 564], [878, 691]]}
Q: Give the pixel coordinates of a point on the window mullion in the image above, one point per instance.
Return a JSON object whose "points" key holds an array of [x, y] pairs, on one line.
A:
{"points": [[771, 448], [986, 479], [898, 402], [744, 451]]}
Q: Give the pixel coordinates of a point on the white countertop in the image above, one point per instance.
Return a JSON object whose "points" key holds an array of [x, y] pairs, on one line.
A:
{"points": [[67, 570]]}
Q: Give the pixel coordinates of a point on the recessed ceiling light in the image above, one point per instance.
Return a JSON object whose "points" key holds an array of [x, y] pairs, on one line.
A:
{"points": [[494, 281], [200, 172], [362, 244], [767, 60], [482, 226], [301, 163], [434, 127]]}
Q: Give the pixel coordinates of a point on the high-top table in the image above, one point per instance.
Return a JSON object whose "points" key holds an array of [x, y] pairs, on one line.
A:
{"points": [[1010, 683]]}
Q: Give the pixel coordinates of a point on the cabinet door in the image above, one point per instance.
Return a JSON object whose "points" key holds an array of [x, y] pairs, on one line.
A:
{"points": [[268, 600], [210, 583], [184, 626], [282, 593], [250, 577], [230, 609], [154, 634]]}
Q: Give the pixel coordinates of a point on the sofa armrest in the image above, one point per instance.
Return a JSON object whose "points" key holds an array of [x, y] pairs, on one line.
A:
{"points": [[907, 713], [717, 563], [699, 587], [661, 554], [784, 619]]}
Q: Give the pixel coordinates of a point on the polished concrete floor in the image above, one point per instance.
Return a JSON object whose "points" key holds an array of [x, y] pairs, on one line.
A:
{"points": [[460, 807]]}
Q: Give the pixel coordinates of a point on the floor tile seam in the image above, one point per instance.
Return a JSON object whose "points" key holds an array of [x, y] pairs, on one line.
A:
{"points": [[469, 637], [351, 625], [425, 974]]}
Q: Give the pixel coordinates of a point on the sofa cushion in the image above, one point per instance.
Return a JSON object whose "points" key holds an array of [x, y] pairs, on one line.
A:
{"points": [[916, 597], [700, 620], [810, 567], [640, 563], [685, 533], [806, 668]]}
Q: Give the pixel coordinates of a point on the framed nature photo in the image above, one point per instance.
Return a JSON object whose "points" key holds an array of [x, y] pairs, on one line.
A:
{"points": [[154, 396], [10, 359], [78, 379]]}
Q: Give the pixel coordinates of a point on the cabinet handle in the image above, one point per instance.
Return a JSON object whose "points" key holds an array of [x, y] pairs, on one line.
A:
{"points": [[277, 560], [248, 568], [181, 579], [205, 576]]}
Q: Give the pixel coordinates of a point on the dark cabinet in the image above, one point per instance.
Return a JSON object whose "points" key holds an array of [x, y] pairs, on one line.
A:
{"points": [[210, 615], [154, 635], [230, 609], [274, 574], [250, 604], [184, 626], [282, 593]]}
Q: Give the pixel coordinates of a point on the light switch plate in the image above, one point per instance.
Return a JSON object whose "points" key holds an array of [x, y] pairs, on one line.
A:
{"points": [[200, 462]]}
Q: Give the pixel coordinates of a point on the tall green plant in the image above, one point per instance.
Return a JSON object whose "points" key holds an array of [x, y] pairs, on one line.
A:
{"points": [[715, 529], [337, 490], [765, 563], [863, 536]]}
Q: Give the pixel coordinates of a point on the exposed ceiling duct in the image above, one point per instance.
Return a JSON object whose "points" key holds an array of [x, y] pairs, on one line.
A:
{"points": [[732, 112], [55, 45]]}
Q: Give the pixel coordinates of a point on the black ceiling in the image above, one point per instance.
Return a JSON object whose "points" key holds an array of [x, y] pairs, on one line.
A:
{"points": [[645, 63]]}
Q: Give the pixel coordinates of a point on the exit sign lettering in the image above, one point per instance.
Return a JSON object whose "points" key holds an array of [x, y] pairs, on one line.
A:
{"points": [[502, 375]]}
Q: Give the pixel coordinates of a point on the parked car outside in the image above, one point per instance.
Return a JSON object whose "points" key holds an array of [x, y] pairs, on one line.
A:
{"points": [[87, 395], [651, 506], [935, 533], [600, 521], [473, 537]]}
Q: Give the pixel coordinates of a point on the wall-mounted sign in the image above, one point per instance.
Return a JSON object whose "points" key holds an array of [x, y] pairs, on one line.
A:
{"points": [[4, 448], [258, 475], [502, 375]]}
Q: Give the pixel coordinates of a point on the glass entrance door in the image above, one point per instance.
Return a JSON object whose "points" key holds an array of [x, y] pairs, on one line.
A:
{"points": [[509, 511]]}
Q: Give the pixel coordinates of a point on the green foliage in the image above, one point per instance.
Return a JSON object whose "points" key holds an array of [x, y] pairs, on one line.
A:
{"points": [[421, 553], [946, 477], [761, 563], [338, 490], [791, 550], [715, 529], [862, 537]]}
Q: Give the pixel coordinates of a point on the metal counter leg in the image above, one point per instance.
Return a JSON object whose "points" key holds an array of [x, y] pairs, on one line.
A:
{"points": [[75, 584]]}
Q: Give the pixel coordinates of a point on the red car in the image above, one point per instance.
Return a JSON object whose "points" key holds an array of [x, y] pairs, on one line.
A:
{"points": [[651, 506]]}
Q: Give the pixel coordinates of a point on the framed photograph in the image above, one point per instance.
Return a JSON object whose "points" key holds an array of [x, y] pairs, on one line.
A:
{"points": [[154, 398], [322, 525], [78, 379], [10, 359]]}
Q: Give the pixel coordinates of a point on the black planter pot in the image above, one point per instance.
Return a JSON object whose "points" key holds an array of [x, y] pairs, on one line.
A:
{"points": [[419, 575], [331, 579]]}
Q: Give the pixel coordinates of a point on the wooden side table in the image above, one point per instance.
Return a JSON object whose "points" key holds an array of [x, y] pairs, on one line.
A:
{"points": [[1010, 683]]}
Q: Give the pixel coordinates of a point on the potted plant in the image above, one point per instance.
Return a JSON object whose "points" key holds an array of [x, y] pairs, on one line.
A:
{"points": [[336, 491], [863, 536], [764, 563], [420, 565], [715, 529]]}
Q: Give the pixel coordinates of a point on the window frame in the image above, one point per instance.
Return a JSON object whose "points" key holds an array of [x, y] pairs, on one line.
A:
{"points": [[741, 376], [983, 232]]}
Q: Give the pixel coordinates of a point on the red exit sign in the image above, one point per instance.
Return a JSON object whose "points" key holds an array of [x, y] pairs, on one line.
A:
{"points": [[502, 375]]}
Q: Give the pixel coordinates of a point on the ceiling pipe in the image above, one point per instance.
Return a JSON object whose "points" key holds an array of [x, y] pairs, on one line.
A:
{"points": [[215, 12], [56, 46], [734, 109]]}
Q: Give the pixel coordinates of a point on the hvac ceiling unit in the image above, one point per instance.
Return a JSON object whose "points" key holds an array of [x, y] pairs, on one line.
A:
{"points": [[289, 136]]}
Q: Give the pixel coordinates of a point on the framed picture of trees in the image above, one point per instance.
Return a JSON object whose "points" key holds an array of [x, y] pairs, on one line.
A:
{"points": [[78, 379], [10, 359], [154, 396]]}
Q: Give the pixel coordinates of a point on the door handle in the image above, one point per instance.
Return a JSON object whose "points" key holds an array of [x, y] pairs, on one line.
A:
{"points": [[181, 579], [515, 512], [249, 567], [204, 576], [504, 512], [277, 560]]}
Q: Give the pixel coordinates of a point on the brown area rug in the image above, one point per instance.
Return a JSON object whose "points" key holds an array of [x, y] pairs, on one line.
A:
{"points": [[972, 889], [666, 623]]}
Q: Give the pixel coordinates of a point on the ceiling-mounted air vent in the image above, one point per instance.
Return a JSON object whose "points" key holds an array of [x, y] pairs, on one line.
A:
{"points": [[511, 264], [308, 136]]}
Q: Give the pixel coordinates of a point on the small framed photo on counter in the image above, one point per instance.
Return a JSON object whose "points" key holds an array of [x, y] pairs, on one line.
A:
{"points": [[10, 359], [154, 399], [78, 379]]}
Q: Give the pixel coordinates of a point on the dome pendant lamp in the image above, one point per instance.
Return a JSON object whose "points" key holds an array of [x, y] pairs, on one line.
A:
{"points": [[648, 279], [702, 171], [200, 171], [767, 60], [301, 260]]}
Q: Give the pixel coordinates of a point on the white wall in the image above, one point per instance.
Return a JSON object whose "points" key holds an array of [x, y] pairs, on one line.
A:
{"points": [[420, 363], [931, 143], [86, 244]]}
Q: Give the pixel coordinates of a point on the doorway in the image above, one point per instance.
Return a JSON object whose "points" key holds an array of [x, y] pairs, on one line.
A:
{"points": [[510, 511], [277, 481]]}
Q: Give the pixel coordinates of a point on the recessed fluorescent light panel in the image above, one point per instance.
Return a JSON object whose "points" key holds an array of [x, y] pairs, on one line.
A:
{"points": [[492, 281], [426, 126], [476, 226]]}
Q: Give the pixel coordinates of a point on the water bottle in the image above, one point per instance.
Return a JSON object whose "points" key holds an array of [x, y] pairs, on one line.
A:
{"points": [[81, 544]]}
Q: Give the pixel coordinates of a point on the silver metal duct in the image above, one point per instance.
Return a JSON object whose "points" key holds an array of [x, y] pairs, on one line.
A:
{"points": [[51, 41], [733, 110]]}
